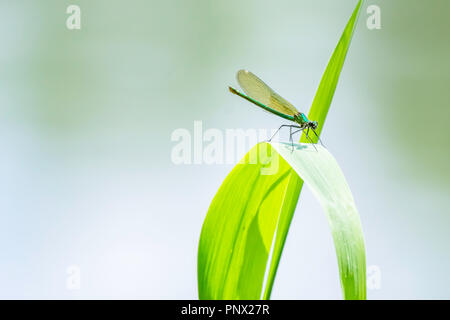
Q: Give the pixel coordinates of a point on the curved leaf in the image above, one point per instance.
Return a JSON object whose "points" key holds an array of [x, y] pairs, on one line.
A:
{"points": [[323, 176], [240, 225], [238, 230], [318, 112]]}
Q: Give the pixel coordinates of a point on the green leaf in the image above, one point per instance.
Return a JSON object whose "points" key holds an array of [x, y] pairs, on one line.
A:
{"points": [[317, 167], [238, 230], [328, 83], [253, 202], [318, 112]]}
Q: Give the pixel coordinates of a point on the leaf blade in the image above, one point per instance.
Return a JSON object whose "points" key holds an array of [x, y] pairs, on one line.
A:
{"points": [[318, 112], [236, 236], [249, 265], [328, 83], [320, 171], [240, 223]]}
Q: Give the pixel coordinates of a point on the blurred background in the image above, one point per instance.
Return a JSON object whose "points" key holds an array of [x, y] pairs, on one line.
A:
{"points": [[87, 185]]}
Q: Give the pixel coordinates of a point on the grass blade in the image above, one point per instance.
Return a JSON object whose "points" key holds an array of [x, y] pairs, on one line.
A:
{"points": [[322, 174], [238, 230], [327, 87], [318, 112], [250, 206]]}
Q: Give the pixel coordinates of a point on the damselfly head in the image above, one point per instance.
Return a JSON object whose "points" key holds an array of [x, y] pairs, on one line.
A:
{"points": [[313, 125]]}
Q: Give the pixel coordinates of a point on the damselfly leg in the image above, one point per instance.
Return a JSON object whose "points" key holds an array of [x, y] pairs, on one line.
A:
{"points": [[319, 139], [286, 125], [292, 133], [309, 139]]}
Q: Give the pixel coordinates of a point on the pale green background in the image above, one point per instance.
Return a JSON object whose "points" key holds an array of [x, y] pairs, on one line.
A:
{"points": [[86, 116]]}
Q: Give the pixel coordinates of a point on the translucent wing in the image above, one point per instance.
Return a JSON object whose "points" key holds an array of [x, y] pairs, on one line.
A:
{"points": [[258, 90]]}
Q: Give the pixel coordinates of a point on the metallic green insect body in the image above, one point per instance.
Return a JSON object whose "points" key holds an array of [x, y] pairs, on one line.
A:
{"points": [[260, 94]]}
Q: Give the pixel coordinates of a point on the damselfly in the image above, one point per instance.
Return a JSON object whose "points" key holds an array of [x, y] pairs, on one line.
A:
{"points": [[260, 94]]}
